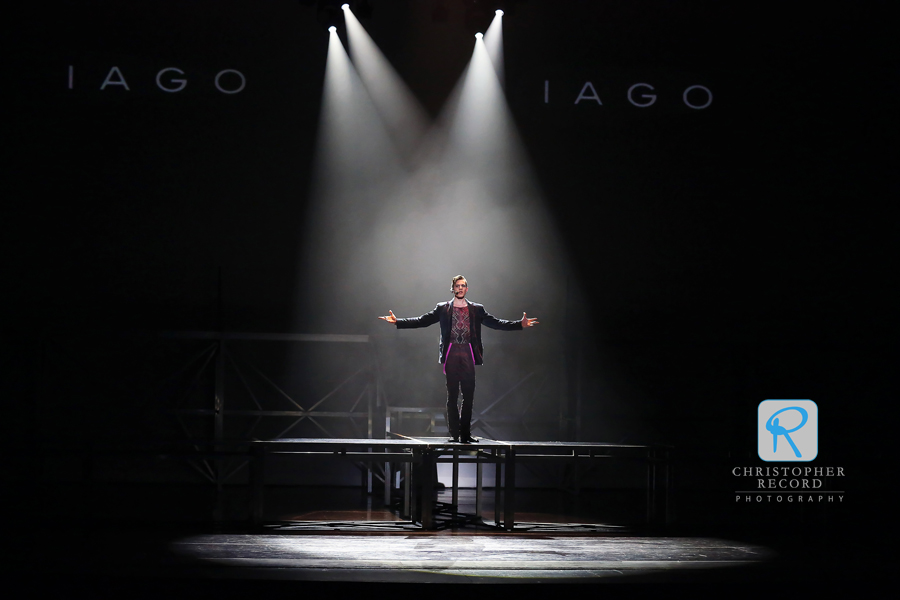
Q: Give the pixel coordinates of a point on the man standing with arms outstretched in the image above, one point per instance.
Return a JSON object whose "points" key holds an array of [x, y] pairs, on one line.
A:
{"points": [[461, 349]]}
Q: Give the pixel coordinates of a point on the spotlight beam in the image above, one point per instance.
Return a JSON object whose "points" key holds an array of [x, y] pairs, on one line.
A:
{"points": [[356, 169], [493, 41], [404, 117], [470, 204]]}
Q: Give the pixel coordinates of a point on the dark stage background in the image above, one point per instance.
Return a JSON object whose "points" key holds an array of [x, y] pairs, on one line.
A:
{"points": [[712, 258]]}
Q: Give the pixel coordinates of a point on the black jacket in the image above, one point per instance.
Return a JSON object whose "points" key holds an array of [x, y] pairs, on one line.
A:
{"points": [[477, 316]]}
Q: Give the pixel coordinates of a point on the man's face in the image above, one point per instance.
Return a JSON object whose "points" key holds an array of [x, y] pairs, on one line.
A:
{"points": [[460, 288]]}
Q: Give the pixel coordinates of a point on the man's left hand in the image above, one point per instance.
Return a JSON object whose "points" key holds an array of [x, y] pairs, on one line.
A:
{"points": [[526, 322]]}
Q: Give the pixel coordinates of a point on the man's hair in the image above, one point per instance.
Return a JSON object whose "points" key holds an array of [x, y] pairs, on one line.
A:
{"points": [[455, 279]]}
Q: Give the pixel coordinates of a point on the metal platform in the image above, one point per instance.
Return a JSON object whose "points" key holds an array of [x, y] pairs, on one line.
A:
{"points": [[416, 459]]}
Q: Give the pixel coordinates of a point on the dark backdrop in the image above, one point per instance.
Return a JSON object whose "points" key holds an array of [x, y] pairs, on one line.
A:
{"points": [[727, 255]]}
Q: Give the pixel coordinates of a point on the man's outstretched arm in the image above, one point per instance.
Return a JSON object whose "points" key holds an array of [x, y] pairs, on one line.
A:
{"points": [[493, 322], [425, 320]]}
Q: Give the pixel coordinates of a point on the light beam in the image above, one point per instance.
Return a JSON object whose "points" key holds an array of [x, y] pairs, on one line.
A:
{"points": [[493, 42], [404, 117]]}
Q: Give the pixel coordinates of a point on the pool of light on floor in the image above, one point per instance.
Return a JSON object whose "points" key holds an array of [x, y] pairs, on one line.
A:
{"points": [[495, 556]]}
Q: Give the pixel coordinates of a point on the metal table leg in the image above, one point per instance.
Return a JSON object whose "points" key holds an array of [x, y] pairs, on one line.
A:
{"points": [[497, 486], [257, 483], [426, 499], [455, 493], [388, 482], [509, 490], [407, 474], [478, 490]]}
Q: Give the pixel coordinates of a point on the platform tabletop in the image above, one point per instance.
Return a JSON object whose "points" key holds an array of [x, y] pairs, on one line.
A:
{"points": [[444, 442]]}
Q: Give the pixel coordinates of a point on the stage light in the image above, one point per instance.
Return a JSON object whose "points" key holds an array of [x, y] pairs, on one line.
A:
{"points": [[332, 29], [498, 12], [345, 6], [479, 35]]}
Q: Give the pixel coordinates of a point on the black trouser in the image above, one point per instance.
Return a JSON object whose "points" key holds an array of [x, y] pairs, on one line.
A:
{"points": [[460, 370]]}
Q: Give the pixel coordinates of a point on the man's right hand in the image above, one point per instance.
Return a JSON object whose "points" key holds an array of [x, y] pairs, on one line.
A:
{"points": [[390, 318]]}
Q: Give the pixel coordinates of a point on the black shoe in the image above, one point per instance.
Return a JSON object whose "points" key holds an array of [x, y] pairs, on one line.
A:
{"points": [[467, 439], [454, 440]]}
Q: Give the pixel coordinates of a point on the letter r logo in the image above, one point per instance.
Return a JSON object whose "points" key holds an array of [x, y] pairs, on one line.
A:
{"points": [[787, 430]]}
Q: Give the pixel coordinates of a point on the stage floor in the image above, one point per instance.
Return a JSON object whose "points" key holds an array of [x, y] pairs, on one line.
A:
{"points": [[141, 563], [394, 557], [134, 557], [454, 558]]}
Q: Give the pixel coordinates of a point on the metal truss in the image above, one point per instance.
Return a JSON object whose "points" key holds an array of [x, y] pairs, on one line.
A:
{"points": [[201, 396], [255, 399]]}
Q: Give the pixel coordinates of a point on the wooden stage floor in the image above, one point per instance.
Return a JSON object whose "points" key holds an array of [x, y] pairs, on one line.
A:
{"points": [[134, 558]]}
